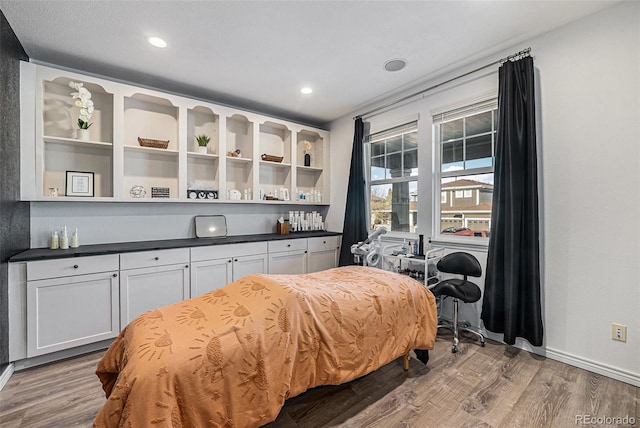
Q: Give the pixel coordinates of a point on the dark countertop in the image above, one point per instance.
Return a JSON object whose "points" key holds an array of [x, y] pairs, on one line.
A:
{"points": [[128, 247]]}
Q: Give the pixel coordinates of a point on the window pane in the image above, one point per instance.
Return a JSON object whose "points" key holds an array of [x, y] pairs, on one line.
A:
{"points": [[411, 140], [394, 165], [478, 124], [394, 206], [410, 163], [377, 148], [478, 152], [377, 168], [394, 144], [452, 155], [467, 216], [452, 130]]}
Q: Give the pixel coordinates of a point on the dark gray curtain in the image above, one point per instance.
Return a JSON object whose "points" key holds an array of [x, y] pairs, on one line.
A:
{"points": [[355, 215], [511, 303]]}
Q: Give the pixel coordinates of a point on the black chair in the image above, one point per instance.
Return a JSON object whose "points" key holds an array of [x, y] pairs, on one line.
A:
{"points": [[464, 264]]}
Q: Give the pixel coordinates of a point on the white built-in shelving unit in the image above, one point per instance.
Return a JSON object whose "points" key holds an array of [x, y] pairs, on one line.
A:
{"points": [[50, 145]]}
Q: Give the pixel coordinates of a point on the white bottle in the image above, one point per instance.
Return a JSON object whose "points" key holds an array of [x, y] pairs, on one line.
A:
{"points": [[64, 239], [404, 246], [74, 239], [54, 240]]}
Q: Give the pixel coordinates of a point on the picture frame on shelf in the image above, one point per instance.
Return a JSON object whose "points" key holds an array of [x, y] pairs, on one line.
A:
{"points": [[79, 183]]}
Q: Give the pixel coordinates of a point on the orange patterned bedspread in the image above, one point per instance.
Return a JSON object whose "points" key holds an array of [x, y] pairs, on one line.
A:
{"points": [[232, 357]]}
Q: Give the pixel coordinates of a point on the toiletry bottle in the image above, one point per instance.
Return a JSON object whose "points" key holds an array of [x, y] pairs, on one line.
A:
{"points": [[74, 239], [404, 246], [64, 239], [421, 246], [410, 248], [54, 240]]}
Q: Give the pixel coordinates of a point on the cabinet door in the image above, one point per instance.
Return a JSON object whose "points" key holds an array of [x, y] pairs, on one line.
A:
{"points": [[209, 275], [321, 260], [142, 290], [247, 265], [290, 262], [66, 312]]}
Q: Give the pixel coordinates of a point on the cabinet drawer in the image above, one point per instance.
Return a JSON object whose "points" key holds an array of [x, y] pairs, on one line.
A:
{"points": [[287, 245], [153, 258], [229, 250], [323, 243], [43, 269]]}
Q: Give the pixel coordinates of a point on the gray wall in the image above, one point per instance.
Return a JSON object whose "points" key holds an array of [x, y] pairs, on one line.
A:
{"points": [[14, 215]]}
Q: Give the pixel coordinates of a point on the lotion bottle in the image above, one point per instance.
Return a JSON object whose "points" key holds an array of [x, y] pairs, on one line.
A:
{"points": [[54, 240], [64, 239], [74, 239]]}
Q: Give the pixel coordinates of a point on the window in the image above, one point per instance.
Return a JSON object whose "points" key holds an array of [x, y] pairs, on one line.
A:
{"points": [[393, 178], [443, 197], [466, 147]]}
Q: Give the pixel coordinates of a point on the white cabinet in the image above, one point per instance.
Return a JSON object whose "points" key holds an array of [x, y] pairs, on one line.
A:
{"points": [[151, 279], [323, 253], [71, 302], [297, 165], [215, 266], [288, 256]]}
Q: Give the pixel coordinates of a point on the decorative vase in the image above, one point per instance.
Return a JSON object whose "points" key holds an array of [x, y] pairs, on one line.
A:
{"points": [[202, 150], [83, 134], [307, 159]]}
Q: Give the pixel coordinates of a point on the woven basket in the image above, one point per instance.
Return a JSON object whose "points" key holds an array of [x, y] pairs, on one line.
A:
{"points": [[271, 158], [156, 144]]}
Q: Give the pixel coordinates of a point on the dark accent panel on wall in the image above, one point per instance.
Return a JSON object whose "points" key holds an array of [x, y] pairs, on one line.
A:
{"points": [[14, 215]]}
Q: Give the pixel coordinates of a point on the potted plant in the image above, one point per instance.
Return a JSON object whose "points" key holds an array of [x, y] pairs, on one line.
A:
{"points": [[83, 100], [202, 140]]}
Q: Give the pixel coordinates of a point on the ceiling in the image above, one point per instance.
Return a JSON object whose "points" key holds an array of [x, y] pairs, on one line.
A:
{"points": [[256, 55]]}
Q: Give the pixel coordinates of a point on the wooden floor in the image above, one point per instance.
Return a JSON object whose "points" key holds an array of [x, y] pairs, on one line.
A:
{"points": [[495, 386]]}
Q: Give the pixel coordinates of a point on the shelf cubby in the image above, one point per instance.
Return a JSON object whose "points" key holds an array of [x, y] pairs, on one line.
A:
{"points": [[63, 156], [203, 172], [151, 168], [316, 151], [202, 120], [151, 117]]}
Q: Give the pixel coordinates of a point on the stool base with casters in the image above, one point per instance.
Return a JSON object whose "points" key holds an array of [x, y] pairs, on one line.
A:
{"points": [[455, 326]]}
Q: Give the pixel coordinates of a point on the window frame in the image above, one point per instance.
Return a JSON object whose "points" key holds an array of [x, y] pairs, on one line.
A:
{"points": [[470, 108], [404, 127]]}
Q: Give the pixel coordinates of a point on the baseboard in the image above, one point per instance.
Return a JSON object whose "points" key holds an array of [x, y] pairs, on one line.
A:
{"points": [[594, 366], [6, 375], [573, 360]]}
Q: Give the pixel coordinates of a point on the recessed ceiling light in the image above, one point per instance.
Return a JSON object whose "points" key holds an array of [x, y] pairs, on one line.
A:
{"points": [[157, 42], [306, 90], [395, 64]]}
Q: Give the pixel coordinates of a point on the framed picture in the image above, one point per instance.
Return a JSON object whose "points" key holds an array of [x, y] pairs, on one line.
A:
{"points": [[79, 183]]}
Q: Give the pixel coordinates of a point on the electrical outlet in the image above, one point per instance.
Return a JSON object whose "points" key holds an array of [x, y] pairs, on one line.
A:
{"points": [[619, 332]]}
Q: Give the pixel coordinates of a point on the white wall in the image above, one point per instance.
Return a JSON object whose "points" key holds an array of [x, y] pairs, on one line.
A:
{"points": [[589, 142]]}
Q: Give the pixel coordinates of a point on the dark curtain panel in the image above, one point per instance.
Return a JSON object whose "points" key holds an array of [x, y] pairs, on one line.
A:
{"points": [[511, 303], [355, 215]]}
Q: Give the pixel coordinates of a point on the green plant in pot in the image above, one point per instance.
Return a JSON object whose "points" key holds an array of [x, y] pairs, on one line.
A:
{"points": [[202, 141]]}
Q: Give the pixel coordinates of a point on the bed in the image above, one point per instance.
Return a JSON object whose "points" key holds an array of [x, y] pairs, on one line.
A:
{"points": [[231, 357]]}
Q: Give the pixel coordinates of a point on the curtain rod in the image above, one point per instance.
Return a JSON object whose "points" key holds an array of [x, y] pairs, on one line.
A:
{"points": [[522, 54]]}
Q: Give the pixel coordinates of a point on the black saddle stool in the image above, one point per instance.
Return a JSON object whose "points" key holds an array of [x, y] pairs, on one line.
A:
{"points": [[464, 264]]}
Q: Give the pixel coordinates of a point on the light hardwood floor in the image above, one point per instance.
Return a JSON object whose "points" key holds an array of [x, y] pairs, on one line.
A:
{"points": [[495, 386]]}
